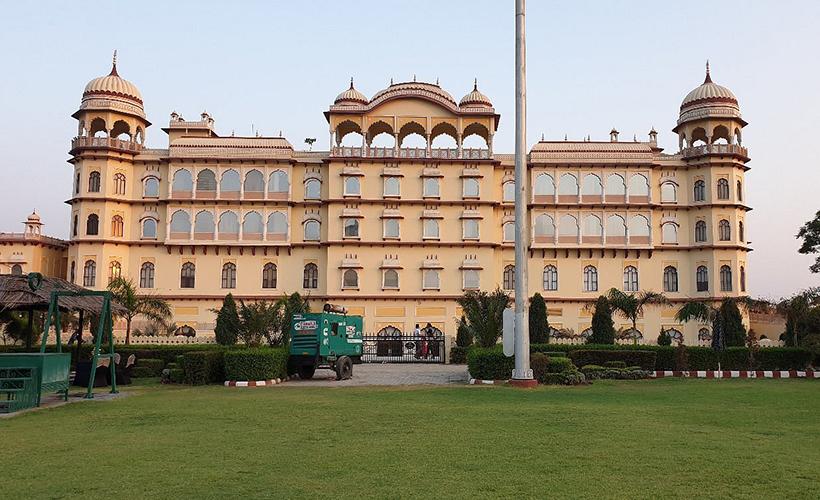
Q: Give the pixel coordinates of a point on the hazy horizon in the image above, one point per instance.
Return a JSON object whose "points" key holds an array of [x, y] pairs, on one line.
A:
{"points": [[265, 67]]}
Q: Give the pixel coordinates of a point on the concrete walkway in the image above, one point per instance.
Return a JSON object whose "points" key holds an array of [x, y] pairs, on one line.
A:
{"points": [[388, 374]]}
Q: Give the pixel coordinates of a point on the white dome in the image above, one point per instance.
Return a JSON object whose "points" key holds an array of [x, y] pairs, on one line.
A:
{"points": [[112, 85], [709, 100], [351, 96], [475, 99]]}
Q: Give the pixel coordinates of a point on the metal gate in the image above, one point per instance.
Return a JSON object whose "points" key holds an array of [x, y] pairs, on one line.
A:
{"points": [[390, 345]]}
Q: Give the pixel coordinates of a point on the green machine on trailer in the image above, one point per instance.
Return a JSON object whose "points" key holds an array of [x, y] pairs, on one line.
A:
{"points": [[328, 339]]}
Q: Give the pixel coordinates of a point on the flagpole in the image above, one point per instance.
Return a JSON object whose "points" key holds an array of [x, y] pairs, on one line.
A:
{"points": [[522, 374]]}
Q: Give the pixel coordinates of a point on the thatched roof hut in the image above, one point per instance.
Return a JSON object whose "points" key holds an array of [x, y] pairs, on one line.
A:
{"points": [[17, 295]]}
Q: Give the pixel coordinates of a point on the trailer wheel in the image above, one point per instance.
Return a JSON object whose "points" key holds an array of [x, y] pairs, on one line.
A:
{"points": [[306, 371], [344, 368]]}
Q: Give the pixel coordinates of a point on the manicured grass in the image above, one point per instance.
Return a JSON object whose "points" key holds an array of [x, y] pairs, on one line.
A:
{"points": [[669, 438]]}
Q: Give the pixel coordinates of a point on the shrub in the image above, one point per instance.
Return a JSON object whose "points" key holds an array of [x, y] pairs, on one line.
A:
{"points": [[783, 358], [227, 322], [464, 338], [176, 375], [603, 328], [615, 364], [734, 333], [154, 365], [597, 372], [489, 363], [644, 359], [681, 357], [203, 367], [143, 372], [458, 355], [555, 371], [484, 312], [664, 338], [256, 363], [538, 320]]}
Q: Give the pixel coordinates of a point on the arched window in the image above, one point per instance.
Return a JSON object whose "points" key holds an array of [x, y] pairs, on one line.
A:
{"points": [[430, 229], [723, 189], [638, 187], [278, 227], [72, 277], [669, 233], [472, 279], [567, 186], [508, 230], [77, 184], [94, 182], [89, 273], [700, 190], [150, 188], [206, 180], [544, 186], [269, 275], [741, 234], [742, 279], [392, 186], [352, 186], [430, 187], [615, 187], [725, 279], [702, 279], [278, 182], [254, 184], [351, 228], [181, 225], [312, 230], [183, 181], [674, 334], [17, 270], [187, 276], [147, 275], [508, 192], [615, 229], [592, 186], [390, 279], [630, 279], [313, 189], [544, 228], [229, 275], [430, 279], [119, 183], [590, 279], [567, 229], [508, 281], [470, 187], [252, 226], [350, 279], [739, 191], [700, 231], [704, 335], [724, 230], [229, 224], [114, 270], [670, 279], [310, 276], [117, 226], [229, 184], [669, 192], [639, 229], [204, 223], [92, 225], [593, 226], [550, 278], [74, 225]]}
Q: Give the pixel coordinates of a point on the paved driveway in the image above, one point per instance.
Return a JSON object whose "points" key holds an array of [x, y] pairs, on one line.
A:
{"points": [[389, 374]]}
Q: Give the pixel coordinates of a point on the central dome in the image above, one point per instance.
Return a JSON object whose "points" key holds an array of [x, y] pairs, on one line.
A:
{"points": [[414, 87]]}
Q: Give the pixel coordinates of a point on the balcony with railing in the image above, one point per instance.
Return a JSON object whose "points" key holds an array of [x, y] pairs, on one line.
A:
{"points": [[411, 153], [714, 149], [86, 142]]}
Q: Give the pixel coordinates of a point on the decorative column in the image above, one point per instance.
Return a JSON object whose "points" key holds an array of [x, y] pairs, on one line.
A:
{"points": [[429, 146], [396, 144], [458, 141]]}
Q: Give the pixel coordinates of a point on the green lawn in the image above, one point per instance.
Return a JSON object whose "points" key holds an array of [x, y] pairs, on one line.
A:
{"points": [[669, 438]]}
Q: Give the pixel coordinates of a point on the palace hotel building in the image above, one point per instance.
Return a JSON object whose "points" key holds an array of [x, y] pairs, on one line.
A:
{"points": [[398, 233]]}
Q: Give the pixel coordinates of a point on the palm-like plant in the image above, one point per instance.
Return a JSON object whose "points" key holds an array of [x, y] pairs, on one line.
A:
{"points": [[631, 305], [135, 304], [795, 310], [484, 313], [724, 316]]}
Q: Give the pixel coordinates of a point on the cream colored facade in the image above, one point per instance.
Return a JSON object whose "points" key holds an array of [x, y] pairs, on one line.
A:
{"points": [[32, 252], [397, 233]]}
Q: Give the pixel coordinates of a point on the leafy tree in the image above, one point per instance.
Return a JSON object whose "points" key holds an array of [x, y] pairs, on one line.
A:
{"points": [[464, 337], [135, 304], [631, 306], [290, 305], [484, 313], [724, 316], [227, 322], [802, 315], [664, 338], [260, 320], [810, 234], [733, 328], [539, 322], [603, 328]]}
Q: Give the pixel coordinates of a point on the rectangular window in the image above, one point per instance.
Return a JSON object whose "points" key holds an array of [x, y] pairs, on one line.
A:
{"points": [[472, 279], [392, 186], [430, 279], [391, 228], [470, 229], [431, 229], [431, 188], [470, 187]]}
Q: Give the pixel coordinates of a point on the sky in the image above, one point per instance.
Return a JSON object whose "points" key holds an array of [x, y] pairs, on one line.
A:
{"points": [[271, 66]]}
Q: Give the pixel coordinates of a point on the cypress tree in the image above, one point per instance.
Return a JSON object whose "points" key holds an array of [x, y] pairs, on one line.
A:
{"points": [[227, 322], [603, 328], [464, 337], [539, 322], [733, 330]]}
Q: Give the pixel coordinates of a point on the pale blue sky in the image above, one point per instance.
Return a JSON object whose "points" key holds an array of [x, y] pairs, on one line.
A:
{"points": [[591, 66]]}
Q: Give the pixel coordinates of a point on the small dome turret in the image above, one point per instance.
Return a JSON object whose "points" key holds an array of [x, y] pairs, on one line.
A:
{"points": [[351, 96], [475, 99]]}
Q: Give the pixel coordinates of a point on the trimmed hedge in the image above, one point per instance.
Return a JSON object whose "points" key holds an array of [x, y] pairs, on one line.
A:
{"points": [[555, 371], [176, 376], [203, 367], [458, 355], [142, 372], [644, 359], [489, 363], [262, 363], [154, 365], [596, 372]]}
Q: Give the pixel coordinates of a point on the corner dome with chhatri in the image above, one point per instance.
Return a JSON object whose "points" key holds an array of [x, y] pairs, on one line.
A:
{"points": [[709, 100], [113, 92], [351, 96], [475, 99]]}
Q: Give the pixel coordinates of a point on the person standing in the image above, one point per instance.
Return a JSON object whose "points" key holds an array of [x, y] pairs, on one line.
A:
{"points": [[417, 340]]}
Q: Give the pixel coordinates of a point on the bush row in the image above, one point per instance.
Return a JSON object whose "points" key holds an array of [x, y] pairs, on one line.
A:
{"points": [[256, 364], [203, 367]]}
